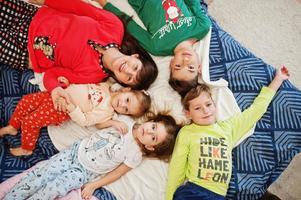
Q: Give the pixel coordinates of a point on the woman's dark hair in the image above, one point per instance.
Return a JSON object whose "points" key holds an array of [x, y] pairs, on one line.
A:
{"points": [[149, 72]]}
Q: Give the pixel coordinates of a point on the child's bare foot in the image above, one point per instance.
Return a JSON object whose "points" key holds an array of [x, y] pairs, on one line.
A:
{"points": [[20, 152], [8, 130]]}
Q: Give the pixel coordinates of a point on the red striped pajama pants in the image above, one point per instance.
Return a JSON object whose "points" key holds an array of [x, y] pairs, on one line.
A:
{"points": [[33, 112]]}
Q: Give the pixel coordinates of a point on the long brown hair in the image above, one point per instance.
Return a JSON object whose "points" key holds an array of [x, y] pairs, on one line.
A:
{"points": [[149, 72], [163, 150]]}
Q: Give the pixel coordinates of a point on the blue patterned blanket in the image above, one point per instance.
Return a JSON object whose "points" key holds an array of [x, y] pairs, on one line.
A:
{"points": [[260, 159], [257, 162]]}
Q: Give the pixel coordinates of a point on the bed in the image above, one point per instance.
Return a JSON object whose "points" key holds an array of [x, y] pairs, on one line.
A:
{"points": [[257, 161]]}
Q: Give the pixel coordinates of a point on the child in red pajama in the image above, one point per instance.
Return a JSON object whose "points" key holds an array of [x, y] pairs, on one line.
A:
{"points": [[90, 104], [33, 112]]}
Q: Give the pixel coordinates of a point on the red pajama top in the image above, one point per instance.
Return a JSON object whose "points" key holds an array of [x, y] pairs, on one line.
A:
{"points": [[61, 36]]}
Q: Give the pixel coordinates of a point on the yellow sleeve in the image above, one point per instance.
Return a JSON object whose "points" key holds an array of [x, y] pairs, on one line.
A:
{"points": [[244, 121], [178, 164]]}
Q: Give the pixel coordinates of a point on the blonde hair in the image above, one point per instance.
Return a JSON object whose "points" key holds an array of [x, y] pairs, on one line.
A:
{"points": [[144, 101]]}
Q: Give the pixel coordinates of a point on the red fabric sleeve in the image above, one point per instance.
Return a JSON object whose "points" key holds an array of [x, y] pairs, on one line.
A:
{"points": [[81, 8], [50, 79]]}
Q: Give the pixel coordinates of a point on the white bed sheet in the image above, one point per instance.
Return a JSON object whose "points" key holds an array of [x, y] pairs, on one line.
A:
{"points": [[149, 179]]}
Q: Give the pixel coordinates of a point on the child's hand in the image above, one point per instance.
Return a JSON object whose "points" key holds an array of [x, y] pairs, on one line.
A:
{"points": [[64, 82], [282, 73], [62, 104], [87, 191], [56, 93], [70, 107], [120, 126]]}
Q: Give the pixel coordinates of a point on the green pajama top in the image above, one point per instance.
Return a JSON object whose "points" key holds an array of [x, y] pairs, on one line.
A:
{"points": [[168, 23], [203, 154]]}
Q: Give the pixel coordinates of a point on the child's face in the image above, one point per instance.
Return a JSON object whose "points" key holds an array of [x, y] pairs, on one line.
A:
{"points": [[150, 134], [184, 65], [126, 68], [202, 110], [125, 102]]}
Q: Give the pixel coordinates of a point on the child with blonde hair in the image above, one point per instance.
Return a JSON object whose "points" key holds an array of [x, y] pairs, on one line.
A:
{"points": [[90, 104], [203, 150]]}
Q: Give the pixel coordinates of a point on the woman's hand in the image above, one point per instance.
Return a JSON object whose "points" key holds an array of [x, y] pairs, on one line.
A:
{"points": [[88, 190], [37, 2], [57, 102]]}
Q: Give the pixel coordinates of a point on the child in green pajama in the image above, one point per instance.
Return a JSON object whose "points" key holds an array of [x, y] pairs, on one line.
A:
{"points": [[203, 150]]}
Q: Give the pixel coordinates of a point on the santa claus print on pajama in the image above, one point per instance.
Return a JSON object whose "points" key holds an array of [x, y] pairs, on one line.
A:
{"points": [[167, 23], [33, 112]]}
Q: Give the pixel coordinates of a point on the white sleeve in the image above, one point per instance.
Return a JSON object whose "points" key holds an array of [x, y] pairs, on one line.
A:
{"points": [[133, 157]]}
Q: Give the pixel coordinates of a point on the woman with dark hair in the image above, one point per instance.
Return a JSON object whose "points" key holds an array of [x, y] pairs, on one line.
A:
{"points": [[149, 72], [172, 27], [71, 39]]}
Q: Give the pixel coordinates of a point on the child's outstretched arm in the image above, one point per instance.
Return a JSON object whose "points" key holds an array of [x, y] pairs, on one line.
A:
{"points": [[119, 125], [89, 188], [281, 75], [243, 122]]}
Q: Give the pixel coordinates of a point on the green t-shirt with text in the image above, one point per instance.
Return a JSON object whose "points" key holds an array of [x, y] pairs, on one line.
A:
{"points": [[167, 22]]}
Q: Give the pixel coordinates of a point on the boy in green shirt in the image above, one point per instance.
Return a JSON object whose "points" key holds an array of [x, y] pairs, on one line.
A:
{"points": [[172, 27], [203, 150]]}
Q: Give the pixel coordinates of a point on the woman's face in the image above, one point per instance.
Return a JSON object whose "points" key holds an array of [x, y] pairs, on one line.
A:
{"points": [[126, 68]]}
